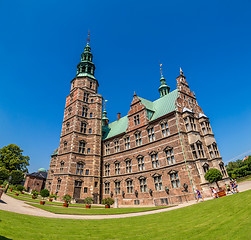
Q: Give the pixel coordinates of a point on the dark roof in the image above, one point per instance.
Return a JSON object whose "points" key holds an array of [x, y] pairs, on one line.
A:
{"points": [[38, 174]]}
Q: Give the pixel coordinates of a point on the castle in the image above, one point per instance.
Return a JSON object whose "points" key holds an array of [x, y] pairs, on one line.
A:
{"points": [[156, 155]]}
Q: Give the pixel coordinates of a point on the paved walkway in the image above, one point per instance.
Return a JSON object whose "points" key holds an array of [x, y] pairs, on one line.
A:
{"points": [[13, 205]]}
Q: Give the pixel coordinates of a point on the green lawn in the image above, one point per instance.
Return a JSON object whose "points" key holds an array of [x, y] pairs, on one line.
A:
{"points": [[96, 211], [219, 219], [243, 179], [29, 199]]}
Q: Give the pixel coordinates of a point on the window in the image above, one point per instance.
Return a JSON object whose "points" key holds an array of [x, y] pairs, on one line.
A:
{"points": [[69, 111], [78, 183], [67, 126], [107, 169], [175, 182], [86, 97], [143, 185], [83, 127], [65, 145], [155, 160], [136, 202], [91, 100], [59, 183], [138, 139], [81, 148], [116, 146], [61, 166], [215, 148], [107, 187], [203, 127], [107, 148], [127, 142], [85, 189], [117, 187], [87, 171], [136, 120], [223, 171], [71, 97], [190, 123], [158, 183], [90, 130], [129, 186], [80, 167], [170, 156], [88, 150], [128, 166], [90, 84], [151, 135], [141, 163], [84, 111], [117, 168], [90, 115], [197, 150], [210, 150], [164, 129], [205, 167], [96, 184]]}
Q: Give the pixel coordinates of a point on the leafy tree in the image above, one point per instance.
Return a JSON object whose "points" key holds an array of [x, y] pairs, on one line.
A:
{"points": [[213, 175], [16, 177], [67, 198], [107, 201], [20, 188], [44, 193], [11, 158], [4, 173]]}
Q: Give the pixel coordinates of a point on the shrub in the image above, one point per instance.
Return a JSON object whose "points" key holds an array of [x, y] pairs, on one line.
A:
{"points": [[107, 201], [44, 193], [34, 193], [213, 175], [16, 177], [67, 198], [53, 196], [20, 188], [88, 200]]}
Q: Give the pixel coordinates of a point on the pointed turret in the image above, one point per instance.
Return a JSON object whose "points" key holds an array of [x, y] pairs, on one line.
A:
{"points": [[105, 119], [86, 67], [163, 89]]}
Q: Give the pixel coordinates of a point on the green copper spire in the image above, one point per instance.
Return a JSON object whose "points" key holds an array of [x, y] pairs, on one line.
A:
{"points": [[105, 119], [163, 89], [86, 67]]}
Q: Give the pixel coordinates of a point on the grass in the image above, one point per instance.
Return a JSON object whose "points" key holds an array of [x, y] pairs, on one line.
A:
{"points": [[219, 219], [97, 211], [243, 179], [26, 199]]}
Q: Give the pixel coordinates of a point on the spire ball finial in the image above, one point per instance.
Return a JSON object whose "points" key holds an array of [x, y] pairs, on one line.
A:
{"points": [[88, 38]]}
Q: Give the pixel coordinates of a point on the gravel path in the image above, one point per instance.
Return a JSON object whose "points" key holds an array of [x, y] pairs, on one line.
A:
{"points": [[13, 205]]}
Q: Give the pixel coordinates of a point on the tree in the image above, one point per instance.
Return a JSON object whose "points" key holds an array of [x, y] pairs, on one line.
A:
{"points": [[213, 175], [11, 158], [44, 193], [4, 173], [16, 177]]}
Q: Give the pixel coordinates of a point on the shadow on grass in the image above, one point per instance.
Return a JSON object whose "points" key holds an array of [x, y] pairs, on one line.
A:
{"points": [[4, 238]]}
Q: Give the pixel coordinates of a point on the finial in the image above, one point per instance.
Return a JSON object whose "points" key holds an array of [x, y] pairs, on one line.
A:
{"points": [[181, 72], [88, 38], [105, 104], [160, 66], [134, 94]]}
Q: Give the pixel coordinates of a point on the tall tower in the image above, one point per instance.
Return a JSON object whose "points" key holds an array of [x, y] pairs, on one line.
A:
{"points": [[75, 168]]}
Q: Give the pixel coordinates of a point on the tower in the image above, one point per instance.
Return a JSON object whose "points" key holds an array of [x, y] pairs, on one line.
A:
{"points": [[75, 167]]}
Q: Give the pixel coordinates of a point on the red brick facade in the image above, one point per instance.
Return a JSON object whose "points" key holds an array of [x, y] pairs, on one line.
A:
{"points": [[152, 162]]}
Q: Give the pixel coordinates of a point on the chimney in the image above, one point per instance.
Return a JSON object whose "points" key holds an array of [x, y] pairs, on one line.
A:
{"points": [[118, 116]]}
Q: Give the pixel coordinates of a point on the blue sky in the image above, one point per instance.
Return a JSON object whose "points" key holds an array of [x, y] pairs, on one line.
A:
{"points": [[41, 43]]}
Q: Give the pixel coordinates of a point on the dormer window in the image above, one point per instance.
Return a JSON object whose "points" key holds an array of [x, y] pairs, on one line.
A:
{"points": [[190, 123], [136, 120]]}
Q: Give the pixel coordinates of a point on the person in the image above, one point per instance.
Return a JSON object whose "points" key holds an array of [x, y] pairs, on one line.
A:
{"points": [[232, 186], [228, 188], [236, 186], [214, 192], [199, 196]]}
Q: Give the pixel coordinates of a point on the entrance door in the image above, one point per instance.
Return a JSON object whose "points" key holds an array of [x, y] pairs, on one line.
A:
{"points": [[77, 189]]}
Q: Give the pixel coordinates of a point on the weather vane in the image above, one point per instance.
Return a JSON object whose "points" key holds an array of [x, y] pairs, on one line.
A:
{"points": [[105, 104], [88, 39], [161, 69]]}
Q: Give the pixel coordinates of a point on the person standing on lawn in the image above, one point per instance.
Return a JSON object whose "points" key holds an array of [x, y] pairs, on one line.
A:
{"points": [[199, 196]]}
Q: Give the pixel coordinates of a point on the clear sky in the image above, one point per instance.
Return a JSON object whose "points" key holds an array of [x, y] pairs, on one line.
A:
{"points": [[41, 43]]}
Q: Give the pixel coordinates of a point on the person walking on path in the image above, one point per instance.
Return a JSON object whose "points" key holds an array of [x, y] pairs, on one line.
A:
{"points": [[228, 188], [232, 186], [236, 186], [199, 196]]}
